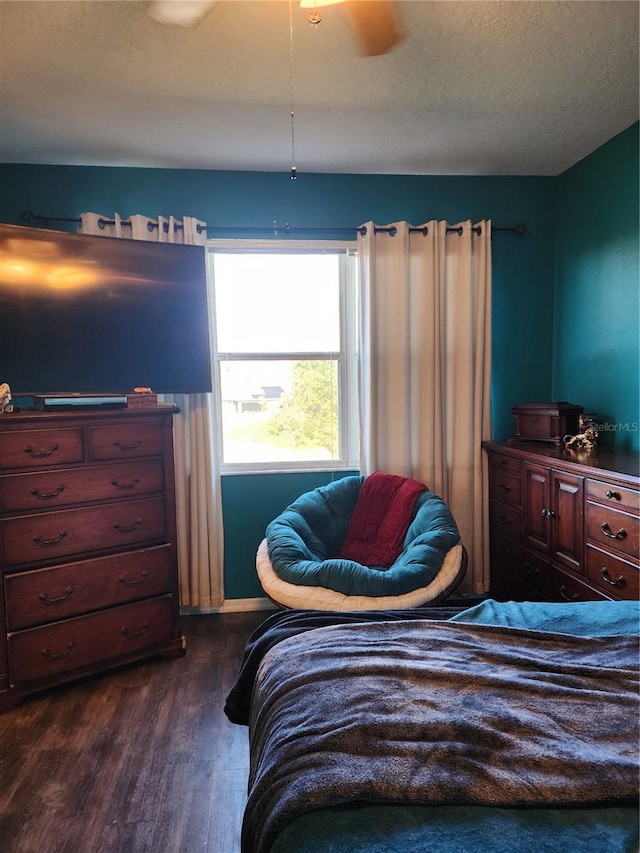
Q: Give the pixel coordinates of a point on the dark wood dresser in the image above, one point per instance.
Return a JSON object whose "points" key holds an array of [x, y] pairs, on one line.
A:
{"points": [[563, 526], [87, 545]]}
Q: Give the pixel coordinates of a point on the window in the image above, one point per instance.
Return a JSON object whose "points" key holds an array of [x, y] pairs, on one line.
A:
{"points": [[285, 354]]}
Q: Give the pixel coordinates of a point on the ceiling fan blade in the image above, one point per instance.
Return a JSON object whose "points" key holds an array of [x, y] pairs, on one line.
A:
{"points": [[376, 25], [183, 13]]}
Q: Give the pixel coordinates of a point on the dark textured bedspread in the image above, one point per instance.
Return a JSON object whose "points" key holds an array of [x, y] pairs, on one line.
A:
{"points": [[283, 624], [439, 713]]}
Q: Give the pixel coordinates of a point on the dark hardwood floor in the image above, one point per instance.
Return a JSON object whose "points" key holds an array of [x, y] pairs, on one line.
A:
{"points": [[140, 760]]}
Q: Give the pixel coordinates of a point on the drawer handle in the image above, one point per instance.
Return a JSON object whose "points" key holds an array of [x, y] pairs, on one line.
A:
{"points": [[40, 540], [125, 580], [504, 519], [124, 446], [133, 634], [44, 597], [563, 594], [531, 570], [619, 581], [127, 528], [59, 655], [548, 513], [125, 486], [613, 496], [37, 454], [621, 534], [44, 496], [504, 488], [502, 462]]}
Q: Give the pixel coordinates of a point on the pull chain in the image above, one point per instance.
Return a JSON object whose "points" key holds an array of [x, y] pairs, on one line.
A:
{"points": [[291, 98]]}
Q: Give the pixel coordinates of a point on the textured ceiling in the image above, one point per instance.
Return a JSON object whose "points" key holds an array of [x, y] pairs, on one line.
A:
{"points": [[475, 88]]}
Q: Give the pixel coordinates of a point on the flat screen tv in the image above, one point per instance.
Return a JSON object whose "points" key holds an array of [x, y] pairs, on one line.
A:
{"points": [[82, 314]]}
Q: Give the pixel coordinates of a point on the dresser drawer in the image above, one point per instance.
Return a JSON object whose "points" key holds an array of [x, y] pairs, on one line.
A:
{"points": [[514, 569], [45, 595], [52, 536], [506, 488], [565, 587], [74, 643], [125, 440], [46, 489], [506, 518], [531, 570], [611, 574], [614, 496], [613, 528], [515, 589], [35, 448], [506, 463]]}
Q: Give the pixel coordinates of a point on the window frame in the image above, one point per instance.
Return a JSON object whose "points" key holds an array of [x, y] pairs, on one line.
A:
{"points": [[346, 357]]}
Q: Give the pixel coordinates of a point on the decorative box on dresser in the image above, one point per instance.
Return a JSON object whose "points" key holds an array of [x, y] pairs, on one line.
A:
{"points": [[563, 526], [87, 545]]}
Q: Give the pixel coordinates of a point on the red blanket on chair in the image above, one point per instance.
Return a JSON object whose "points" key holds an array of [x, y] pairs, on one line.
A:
{"points": [[380, 520]]}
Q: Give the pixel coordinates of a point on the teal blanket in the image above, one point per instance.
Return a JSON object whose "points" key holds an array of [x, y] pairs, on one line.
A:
{"points": [[582, 619], [366, 828], [303, 542]]}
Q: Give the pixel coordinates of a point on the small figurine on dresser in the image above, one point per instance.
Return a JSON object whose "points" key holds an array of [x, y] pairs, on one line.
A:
{"points": [[587, 439], [5, 398]]}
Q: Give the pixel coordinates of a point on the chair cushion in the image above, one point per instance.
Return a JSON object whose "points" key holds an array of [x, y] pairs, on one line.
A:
{"points": [[318, 598], [302, 543]]}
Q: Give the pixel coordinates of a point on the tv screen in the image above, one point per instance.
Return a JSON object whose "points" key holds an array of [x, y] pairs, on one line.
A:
{"points": [[83, 314]]}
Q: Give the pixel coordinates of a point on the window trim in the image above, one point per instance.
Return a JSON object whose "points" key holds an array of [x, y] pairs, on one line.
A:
{"points": [[347, 358]]}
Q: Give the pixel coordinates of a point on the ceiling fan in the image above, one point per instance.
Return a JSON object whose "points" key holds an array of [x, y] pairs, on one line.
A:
{"points": [[374, 23]]}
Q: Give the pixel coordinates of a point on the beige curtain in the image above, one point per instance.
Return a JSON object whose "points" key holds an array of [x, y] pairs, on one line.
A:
{"points": [[198, 498], [425, 359]]}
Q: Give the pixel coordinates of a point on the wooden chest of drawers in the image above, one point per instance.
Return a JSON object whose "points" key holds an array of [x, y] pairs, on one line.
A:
{"points": [[563, 526], [87, 545]]}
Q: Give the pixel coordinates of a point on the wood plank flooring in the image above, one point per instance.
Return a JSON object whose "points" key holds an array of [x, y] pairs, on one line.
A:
{"points": [[133, 762]]}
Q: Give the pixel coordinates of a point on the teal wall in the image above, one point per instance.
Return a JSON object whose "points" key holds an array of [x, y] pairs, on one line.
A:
{"points": [[597, 315]]}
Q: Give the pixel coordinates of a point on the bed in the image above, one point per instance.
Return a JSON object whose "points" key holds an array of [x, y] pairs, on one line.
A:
{"points": [[497, 727]]}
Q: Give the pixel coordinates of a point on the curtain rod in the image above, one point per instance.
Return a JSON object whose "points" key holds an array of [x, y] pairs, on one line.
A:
{"points": [[276, 230]]}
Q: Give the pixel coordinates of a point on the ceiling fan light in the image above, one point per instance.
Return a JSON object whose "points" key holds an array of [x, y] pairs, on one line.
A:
{"points": [[184, 13]]}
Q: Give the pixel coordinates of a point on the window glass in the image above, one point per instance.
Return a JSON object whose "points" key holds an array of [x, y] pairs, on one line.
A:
{"points": [[277, 303], [285, 353], [280, 411]]}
